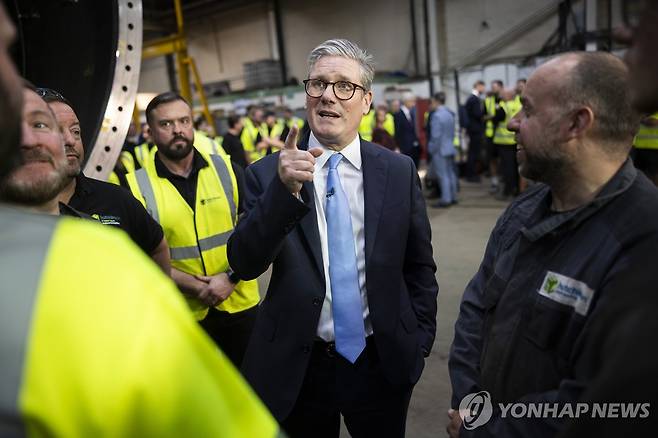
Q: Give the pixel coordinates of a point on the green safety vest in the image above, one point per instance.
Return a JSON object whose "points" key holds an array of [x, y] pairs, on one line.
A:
{"points": [[84, 356], [490, 109], [503, 135], [647, 136], [248, 139], [389, 124], [197, 238], [367, 125], [295, 121], [128, 162], [275, 133], [142, 151], [208, 145]]}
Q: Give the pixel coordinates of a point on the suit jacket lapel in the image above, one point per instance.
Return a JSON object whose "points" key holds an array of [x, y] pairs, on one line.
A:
{"points": [[375, 171], [309, 223]]}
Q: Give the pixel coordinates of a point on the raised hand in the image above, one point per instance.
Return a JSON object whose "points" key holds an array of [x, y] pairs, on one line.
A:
{"points": [[295, 166]]}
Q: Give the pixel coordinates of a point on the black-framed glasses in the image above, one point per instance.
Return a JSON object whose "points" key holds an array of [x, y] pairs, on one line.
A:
{"points": [[343, 90], [50, 95]]}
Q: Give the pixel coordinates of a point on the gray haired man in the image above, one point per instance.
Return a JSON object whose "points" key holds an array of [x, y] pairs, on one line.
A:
{"points": [[350, 312]]}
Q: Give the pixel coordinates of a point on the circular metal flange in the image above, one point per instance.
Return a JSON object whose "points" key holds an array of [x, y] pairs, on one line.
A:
{"points": [[119, 109]]}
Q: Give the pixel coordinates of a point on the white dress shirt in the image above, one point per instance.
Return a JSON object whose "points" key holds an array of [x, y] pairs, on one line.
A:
{"points": [[406, 112], [351, 178]]}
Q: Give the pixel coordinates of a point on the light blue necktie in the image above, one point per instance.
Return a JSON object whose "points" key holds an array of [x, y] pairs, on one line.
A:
{"points": [[343, 273]]}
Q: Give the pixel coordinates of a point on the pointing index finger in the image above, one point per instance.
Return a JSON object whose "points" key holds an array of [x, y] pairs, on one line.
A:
{"points": [[291, 139]]}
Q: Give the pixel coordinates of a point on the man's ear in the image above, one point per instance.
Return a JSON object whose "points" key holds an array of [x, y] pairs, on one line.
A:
{"points": [[367, 100], [580, 122]]}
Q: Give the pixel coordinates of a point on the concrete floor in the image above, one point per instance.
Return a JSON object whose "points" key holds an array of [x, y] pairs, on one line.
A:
{"points": [[459, 236]]}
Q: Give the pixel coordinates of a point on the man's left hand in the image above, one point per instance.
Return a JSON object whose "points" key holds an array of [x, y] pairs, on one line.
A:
{"points": [[455, 423], [219, 288]]}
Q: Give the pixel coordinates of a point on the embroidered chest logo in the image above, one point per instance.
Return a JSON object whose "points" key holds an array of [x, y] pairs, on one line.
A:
{"points": [[567, 291], [107, 220]]}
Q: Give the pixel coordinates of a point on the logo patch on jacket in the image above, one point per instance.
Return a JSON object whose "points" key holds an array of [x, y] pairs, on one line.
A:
{"points": [[567, 291], [107, 220]]}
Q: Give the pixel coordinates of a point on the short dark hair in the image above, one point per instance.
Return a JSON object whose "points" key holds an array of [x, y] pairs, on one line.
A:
{"points": [[499, 82], [233, 120], [440, 97], [601, 81], [478, 82], [161, 99], [521, 80]]}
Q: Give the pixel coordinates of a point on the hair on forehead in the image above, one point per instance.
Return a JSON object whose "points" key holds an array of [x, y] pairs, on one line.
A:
{"points": [[345, 49], [162, 99]]}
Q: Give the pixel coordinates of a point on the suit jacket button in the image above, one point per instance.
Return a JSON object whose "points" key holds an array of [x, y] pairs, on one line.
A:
{"points": [[306, 348], [317, 301]]}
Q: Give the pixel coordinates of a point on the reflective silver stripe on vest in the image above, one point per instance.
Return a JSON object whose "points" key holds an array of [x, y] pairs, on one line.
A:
{"points": [[225, 178], [208, 243], [25, 239], [146, 189]]}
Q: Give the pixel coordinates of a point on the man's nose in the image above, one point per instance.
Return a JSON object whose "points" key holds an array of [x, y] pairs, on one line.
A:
{"points": [[328, 94], [69, 140]]}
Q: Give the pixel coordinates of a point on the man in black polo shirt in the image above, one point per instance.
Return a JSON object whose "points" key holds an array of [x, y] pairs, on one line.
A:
{"points": [[195, 196], [107, 203]]}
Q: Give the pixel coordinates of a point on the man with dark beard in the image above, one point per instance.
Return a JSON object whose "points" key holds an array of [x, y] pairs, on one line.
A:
{"points": [[104, 202], [194, 196], [80, 356], [554, 258], [41, 172]]}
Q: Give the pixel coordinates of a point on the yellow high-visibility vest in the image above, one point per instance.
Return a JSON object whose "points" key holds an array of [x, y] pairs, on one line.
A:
{"points": [[128, 163], [249, 136], [295, 121], [490, 109], [647, 136], [367, 125], [389, 124], [503, 135], [197, 238], [206, 144], [86, 357]]}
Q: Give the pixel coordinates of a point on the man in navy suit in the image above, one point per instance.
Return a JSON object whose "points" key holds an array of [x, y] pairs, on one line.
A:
{"points": [[405, 129], [475, 128], [350, 312]]}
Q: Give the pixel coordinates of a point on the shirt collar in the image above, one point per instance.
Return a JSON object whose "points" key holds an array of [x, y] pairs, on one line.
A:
{"points": [[351, 152], [198, 163], [618, 184], [82, 187], [475, 93]]}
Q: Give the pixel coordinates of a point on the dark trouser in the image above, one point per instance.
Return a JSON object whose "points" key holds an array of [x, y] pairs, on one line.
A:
{"points": [[474, 150], [370, 406], [509, 168], [231, 331], [492, 151]]}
